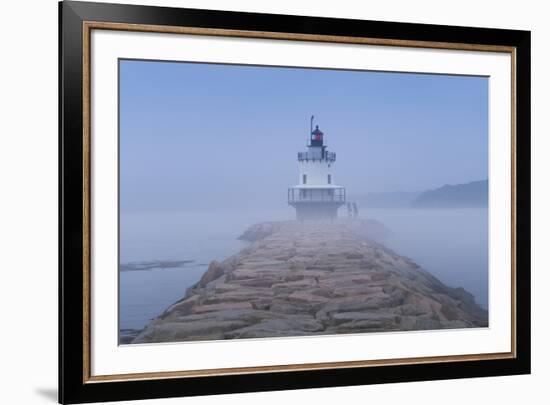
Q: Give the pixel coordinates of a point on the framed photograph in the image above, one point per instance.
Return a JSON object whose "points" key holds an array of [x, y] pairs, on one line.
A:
{"points": [[256, 202]]}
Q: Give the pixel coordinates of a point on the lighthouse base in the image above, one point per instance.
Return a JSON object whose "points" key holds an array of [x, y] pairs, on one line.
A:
{"points": [[316, 210]]}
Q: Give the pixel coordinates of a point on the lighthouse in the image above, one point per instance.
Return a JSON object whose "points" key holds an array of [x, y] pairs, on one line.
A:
{"points": [[316, 196]]}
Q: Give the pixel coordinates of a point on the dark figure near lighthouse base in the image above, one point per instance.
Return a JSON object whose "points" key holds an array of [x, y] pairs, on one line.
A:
{"points": [[316, 197]]}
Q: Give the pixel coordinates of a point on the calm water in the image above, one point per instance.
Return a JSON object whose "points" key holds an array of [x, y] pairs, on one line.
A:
{"points": [[451, 244], [197, 236]]}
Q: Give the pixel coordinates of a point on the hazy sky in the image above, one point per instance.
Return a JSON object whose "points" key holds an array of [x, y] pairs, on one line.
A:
{"points": [[198, 136]]}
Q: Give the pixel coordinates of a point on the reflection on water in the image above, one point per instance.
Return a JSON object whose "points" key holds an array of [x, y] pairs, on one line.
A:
{"points": [[451, 244]]}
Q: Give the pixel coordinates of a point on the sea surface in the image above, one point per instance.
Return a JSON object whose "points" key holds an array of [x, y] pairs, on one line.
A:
{"points": [[198, 236], [450, 243]]}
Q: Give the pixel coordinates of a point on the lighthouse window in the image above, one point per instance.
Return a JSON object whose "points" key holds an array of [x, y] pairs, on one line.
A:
{"points": [[329, 179], [304, 178]]}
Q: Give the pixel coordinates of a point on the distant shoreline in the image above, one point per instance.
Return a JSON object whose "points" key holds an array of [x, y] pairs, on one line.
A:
{"points": [[466, 195]]}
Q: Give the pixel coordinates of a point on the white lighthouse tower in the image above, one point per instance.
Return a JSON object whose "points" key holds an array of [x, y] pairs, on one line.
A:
{"points": [[316, 196]]}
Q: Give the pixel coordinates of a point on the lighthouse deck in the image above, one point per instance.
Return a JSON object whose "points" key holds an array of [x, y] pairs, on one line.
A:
{"points": [[317, 155], [317, 194]]}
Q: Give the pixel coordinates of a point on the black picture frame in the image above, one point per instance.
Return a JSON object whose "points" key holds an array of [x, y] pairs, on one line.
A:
{"points": [[73, 387]]}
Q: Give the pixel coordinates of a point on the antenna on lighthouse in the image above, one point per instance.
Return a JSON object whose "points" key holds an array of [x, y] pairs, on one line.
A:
{"points": [[310, 128]]}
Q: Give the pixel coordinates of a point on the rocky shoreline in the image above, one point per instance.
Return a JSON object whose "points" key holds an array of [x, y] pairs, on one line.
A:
{"points": [[311, 278]]}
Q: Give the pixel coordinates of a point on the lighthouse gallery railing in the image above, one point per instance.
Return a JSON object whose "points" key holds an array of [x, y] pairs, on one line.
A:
{"points": [[314, 155], [336, 195]]}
